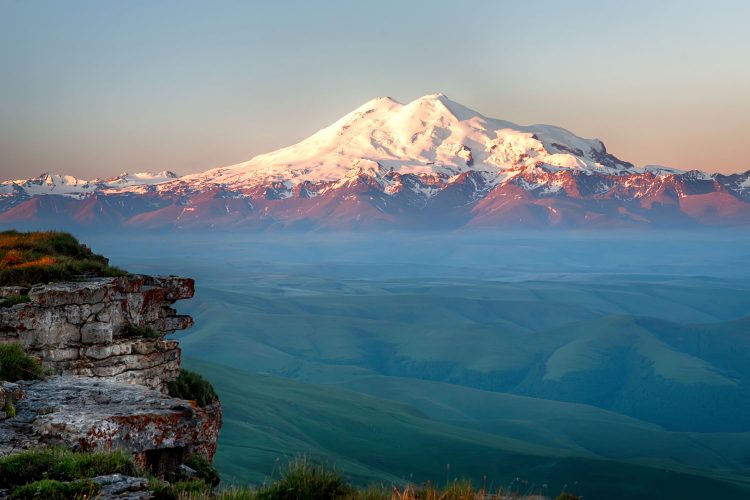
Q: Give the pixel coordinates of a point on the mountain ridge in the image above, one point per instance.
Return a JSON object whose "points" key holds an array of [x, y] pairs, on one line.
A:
{"points": [[430, 163]]}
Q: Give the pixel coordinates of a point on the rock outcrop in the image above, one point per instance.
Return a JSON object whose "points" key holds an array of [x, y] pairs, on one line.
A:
{"points": [[103, 340], [88, 414], [104, 327]]}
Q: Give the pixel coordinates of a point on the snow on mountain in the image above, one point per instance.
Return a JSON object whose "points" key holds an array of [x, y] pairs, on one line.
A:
{"points": [[659, 170], [431, 162], [431, 135], [67, 185], [141, 178]]}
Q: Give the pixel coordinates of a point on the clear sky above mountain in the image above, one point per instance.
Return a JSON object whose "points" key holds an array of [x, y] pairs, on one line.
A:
{"points": [[92, 88]]}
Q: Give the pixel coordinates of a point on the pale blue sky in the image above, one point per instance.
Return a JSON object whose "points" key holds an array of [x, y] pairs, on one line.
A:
{"points": [[96, 87]]}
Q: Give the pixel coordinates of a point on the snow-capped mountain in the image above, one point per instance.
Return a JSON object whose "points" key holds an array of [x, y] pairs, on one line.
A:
{"points": [[67, 185], [429, 163], [429, 136]]}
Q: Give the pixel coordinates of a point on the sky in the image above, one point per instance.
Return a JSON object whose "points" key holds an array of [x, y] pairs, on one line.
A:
{"points": [[95, 88]]}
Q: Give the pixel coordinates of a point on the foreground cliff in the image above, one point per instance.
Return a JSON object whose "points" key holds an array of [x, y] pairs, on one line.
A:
{"points": [[109, 374]]}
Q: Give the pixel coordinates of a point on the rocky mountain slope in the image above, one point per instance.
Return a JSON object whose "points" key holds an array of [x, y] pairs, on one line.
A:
{"points": [[431, 163]]}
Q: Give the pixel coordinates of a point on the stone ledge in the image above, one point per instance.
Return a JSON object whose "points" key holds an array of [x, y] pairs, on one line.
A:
{"points": [[87, 414]]}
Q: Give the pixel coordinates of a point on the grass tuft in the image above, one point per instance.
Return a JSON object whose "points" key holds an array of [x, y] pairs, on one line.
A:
{"points": [[179, 490], [148, 332], [13, 300], [50, 489], [301, 479], [61, 464], [16, 365], [8, 408], [203, 470], [179, 481], [189, 385]]}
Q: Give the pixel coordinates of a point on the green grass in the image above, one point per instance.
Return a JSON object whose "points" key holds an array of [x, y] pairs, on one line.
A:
{"points": [[268, 420], [13, 300], [302, 479], [56, 474], [192, 386], [16, 365], [148, 332], [9, 408], [42, 257], [203, 470], [204, 473], [50, 489], [190, 488], [61, 464]]}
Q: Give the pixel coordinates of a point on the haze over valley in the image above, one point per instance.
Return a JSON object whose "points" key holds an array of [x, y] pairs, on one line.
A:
{"points": [[551, 358]]}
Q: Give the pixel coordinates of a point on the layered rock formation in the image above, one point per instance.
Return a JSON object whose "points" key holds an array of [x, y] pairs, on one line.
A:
{"points": [[102, 327], [103, 341]]}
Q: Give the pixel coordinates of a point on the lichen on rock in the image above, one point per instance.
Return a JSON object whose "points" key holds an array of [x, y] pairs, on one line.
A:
{"points": [[89, 414]]}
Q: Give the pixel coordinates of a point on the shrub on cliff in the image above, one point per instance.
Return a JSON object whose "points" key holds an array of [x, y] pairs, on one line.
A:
{"points": [[42, 257], [15, 364], [189, 385]]}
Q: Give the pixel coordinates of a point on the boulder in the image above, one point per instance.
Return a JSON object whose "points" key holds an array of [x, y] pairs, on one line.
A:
{"points": [[87, 414]]}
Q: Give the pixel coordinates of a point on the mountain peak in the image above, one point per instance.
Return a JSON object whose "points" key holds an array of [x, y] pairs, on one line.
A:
{"points": [[388, 162], [431, 135], [457, 109], [373, 104], [439, 96]]}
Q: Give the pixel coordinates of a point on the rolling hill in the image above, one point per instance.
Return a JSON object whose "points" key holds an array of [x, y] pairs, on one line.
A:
{"points": [[270, 420]]}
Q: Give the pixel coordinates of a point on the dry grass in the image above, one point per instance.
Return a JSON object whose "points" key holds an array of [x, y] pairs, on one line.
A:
{"points": [[458, 490], [45, 261], [42, 257], [302, 479]]}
